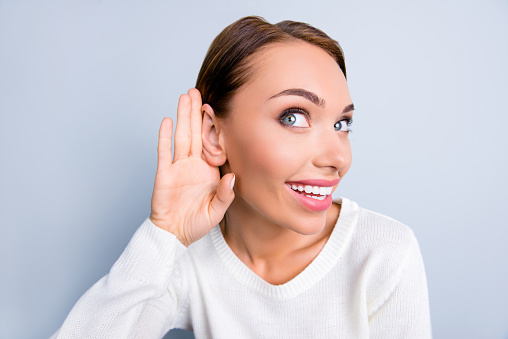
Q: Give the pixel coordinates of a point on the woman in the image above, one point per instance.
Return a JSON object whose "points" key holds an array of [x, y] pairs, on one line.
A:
{"points": [[243, 240]]}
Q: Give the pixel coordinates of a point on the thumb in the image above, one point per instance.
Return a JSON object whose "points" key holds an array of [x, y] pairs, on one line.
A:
{"points": [[222, 199]]}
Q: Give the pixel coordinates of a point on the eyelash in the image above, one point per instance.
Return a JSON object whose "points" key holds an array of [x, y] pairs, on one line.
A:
{"points": [[349, 122], [298, 110], [293, 110]]}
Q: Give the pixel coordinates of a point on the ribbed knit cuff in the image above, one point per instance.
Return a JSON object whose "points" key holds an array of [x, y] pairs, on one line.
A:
{"points": [[151, 254]]}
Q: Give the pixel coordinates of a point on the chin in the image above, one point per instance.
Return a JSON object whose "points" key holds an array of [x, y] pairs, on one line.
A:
{"points": [[309, 226]]}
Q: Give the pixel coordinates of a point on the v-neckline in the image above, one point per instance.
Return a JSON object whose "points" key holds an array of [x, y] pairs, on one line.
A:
{"points": [[317, 269]]}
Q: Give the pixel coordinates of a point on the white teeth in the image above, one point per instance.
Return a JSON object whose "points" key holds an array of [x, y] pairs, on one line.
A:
{"points": [[318, 190], [321, 197]]}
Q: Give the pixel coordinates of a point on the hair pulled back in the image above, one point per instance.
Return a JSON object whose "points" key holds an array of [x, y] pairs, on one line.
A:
{"points": [[227, 65]]}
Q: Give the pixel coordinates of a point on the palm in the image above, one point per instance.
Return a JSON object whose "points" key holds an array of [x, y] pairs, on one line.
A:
{"points": [[184, 192], [184, 199]]}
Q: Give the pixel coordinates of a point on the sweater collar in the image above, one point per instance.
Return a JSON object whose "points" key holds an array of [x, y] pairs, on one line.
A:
{"points": [[317, 269]]}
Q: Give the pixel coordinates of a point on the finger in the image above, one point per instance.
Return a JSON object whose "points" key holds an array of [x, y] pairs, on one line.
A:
{"points": [[182, 131], [195, 122], [222, 199], [164, 156]]}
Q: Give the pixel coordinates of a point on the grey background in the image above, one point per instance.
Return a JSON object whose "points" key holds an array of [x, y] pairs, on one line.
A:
{"points": [[85, 84]]}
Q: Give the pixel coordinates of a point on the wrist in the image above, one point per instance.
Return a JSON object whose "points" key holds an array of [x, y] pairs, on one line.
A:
{"points": [[164, 225]]}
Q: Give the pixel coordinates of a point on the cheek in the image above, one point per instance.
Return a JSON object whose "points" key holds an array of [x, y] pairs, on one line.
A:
{"points": [[273, 154], [260, 157]]}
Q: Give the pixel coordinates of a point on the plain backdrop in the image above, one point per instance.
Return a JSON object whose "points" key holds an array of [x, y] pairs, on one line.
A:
{"points": [[85, 84]]}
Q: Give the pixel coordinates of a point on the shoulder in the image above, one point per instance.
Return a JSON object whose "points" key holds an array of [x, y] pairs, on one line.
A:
{"points": [[377, 228], [380, 247], [375, 232], [385, 264]]}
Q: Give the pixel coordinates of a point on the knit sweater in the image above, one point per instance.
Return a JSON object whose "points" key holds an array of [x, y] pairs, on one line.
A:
{"points": [[368, 281]]}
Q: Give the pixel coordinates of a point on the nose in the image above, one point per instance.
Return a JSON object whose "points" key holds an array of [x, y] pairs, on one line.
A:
{"points": [[332, 151]]}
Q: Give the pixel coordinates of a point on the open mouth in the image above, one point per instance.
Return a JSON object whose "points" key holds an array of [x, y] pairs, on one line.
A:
{"points": [[314, 192]]}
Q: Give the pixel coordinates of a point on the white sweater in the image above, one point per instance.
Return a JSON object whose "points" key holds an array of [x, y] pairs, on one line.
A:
{"points": [[368, 281]]}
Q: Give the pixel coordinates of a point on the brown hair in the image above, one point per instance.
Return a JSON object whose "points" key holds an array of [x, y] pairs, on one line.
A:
{"points": [[227, 65]]}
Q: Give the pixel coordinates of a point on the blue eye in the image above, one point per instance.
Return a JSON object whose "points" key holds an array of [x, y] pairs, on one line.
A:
{"points": [[343, 125], [295, 119]]}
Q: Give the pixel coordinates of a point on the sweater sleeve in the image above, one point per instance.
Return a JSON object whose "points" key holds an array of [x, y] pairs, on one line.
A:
{"points": [[139, 298], [401, 309]]}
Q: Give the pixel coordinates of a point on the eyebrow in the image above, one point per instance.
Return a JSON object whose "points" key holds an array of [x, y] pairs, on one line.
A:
{"points": [[348, 108], [302, 93], [311, 97]]}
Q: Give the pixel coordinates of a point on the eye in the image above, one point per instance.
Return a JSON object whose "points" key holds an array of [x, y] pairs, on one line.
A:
{"points": [[343, 125], [295, 118]]}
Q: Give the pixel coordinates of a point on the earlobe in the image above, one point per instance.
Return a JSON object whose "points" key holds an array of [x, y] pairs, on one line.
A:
{"points": [[213, 148]]}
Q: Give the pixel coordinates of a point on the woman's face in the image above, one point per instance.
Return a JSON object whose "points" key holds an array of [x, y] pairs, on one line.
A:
{"points": [[287, 131]]}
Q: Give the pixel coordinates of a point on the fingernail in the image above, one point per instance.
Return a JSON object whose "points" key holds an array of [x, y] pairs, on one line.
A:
{"points": [[233, 182]]}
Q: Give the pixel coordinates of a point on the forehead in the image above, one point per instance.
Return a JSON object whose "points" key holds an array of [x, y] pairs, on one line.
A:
{"points": [[295, 64]]}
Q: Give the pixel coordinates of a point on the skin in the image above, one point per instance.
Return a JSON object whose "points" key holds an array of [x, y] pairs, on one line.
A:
{"points": [[262, 221]]}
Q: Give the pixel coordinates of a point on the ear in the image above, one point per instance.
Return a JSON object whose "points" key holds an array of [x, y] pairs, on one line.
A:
{"points": [[213, 144]]}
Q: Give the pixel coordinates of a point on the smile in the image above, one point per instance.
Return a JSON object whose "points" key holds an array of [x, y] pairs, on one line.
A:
{"points": [[314, 192]]}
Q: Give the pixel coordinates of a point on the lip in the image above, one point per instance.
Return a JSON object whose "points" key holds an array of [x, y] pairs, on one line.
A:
{"points": [[310, 203], [315, 182]]}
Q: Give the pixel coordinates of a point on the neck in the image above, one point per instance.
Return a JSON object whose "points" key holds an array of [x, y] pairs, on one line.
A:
{"points": [[265, 246]]}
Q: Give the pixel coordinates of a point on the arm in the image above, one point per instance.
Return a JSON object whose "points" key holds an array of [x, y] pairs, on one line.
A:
{"points": [[139, 297], [401, 309], [143, 292]]}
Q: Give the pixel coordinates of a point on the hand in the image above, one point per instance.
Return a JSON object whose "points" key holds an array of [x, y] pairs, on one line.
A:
{"points": [[189, 197]]}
